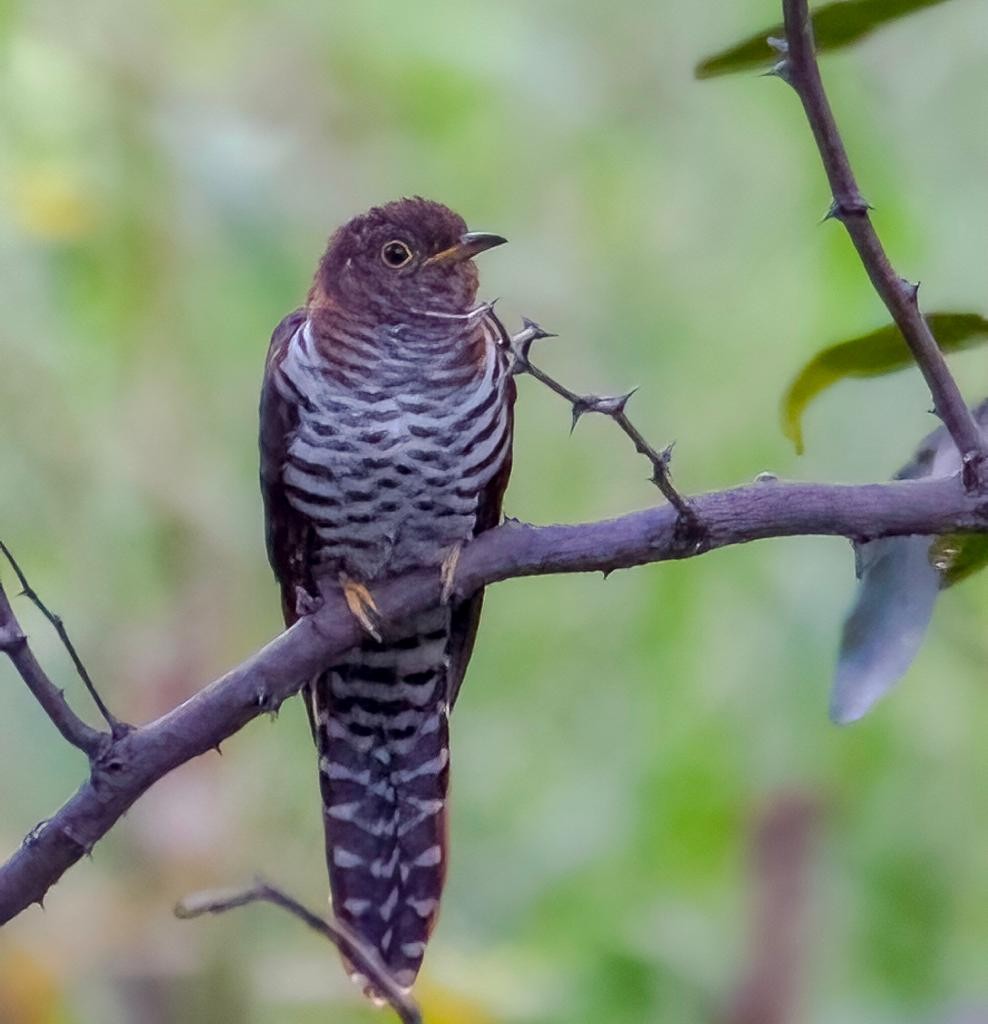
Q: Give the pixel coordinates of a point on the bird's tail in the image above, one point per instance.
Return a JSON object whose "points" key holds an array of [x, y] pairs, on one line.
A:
{"points": [[381, 725]]}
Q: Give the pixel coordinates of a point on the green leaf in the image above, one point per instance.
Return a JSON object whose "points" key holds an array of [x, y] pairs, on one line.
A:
{"points": [[872, 355], [959, 555], [835, 25]]}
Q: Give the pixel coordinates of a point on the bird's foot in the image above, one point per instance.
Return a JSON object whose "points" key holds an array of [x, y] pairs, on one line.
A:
{"points": [[362, 605], [306, 603], [447, 573]]}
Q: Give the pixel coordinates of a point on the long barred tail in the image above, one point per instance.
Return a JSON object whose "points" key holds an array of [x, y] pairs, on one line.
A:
{"points": [[381, 722]]}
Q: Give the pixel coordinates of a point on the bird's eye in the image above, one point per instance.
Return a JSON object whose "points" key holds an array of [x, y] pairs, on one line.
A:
{"points": [[396, 254]]}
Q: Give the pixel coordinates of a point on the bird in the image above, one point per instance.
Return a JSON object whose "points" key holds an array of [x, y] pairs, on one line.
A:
{"points": [[386, 423]]}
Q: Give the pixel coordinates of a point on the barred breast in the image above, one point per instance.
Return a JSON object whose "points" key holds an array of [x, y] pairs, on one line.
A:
{"points": [[399, 431], [398, 435]]}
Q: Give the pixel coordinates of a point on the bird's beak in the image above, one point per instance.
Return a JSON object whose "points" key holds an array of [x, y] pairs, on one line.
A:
{"points": [[469, 245]]}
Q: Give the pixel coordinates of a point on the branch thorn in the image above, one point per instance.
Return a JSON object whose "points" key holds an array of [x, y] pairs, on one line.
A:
{"points": [[854, 206], [782, 70], [580, 406], [521, 343], [538, 332], [973, 472]]}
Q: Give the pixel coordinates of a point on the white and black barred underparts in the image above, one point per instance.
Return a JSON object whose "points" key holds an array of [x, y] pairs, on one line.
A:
{"points": [[398, 435], [399, 431]]}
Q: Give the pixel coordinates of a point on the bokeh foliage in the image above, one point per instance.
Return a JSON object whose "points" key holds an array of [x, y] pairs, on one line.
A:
{"points": [[169, 173]]}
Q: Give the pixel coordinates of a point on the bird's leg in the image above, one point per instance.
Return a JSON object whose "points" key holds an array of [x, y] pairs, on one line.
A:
{"points": [[447, 572], [362, 606]]}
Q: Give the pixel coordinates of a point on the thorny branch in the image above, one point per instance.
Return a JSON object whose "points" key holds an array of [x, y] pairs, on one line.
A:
{"points": [[13, 643], [612, 406], [117, 728], [363, 958], [135, 761], [799, 68]]}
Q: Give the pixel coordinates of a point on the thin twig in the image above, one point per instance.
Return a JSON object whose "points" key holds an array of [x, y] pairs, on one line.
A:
{"points": [[772, 508], [799, 68], [117, 728], [13, 643], [612, 406], [361, 956]]}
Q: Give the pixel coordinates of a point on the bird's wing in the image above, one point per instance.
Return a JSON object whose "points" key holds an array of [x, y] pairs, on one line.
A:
{"points": [[466, 614], [285, 531]]}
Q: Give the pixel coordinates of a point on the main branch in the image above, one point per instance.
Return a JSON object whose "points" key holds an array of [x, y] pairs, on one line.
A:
{"points": [[799, 68], [135, 761]]}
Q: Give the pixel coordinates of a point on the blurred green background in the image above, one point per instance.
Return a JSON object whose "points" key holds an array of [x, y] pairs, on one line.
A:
{"points": [[169, 173]]}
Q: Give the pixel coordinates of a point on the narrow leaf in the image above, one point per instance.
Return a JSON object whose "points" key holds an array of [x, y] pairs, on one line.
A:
{"points": [[899, 580], [835, 25], [871, 355], [885, 628]]}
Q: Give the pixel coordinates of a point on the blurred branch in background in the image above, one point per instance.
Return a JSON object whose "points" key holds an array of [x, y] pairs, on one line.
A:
{"points": [[132, 763], [782, 848]]}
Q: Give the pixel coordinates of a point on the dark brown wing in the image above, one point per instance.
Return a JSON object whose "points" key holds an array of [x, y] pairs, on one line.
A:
{"points": [[286, 533], [466, 614]]}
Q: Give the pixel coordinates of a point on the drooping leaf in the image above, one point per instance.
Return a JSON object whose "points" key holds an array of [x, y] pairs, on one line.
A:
{"points": [[871, 355], [835, 25], [885, 629], [959, 555], [899, 580]]}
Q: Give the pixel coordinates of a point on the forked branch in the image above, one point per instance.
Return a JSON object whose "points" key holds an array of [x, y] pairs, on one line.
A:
{"points": [[771, 509], [13, 643], [799, 68], [363, 958], [117, 728]]}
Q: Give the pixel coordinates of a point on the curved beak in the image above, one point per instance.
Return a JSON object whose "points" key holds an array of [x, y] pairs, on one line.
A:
{"points": [[469, 245]]}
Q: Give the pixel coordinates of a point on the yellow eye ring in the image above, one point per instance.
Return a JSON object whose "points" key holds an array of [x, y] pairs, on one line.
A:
{"points": [[395, 254]]}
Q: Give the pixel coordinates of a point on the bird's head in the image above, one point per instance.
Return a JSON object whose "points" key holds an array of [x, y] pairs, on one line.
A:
{"points": [[410, 256]]}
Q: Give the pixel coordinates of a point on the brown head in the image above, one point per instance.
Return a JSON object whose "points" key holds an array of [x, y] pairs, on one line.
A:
{"points": [[410, 256]]}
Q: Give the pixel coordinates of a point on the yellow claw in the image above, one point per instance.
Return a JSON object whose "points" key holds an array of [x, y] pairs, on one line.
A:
{"points": [[447, 572], [362, 605]]}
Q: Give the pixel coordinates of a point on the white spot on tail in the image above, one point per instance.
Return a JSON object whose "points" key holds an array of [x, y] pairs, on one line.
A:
{"points": [[431, 767], [344, 858], [382, 788], [336, 770], [424, 908], [429, 858], [358, 907], [344, 812], [385, 869], [388, 906], [405, 977]]}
